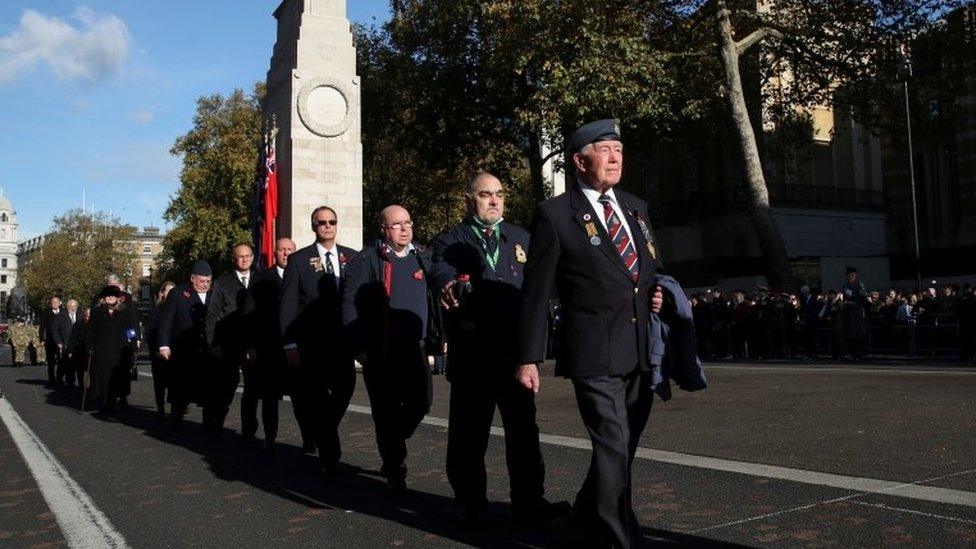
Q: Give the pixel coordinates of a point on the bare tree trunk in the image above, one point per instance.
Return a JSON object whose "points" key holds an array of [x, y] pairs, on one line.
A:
{"points": [[771, 245], [536, 180]]}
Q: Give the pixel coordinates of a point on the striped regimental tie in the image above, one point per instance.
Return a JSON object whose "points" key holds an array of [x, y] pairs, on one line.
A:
{"points": [[619, 236]]}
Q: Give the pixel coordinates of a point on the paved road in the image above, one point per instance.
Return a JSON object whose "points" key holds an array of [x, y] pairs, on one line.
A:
{"points": [[770, 456]]}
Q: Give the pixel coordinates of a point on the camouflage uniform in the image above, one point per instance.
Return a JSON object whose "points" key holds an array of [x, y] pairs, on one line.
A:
{"points": [[21, 335]]}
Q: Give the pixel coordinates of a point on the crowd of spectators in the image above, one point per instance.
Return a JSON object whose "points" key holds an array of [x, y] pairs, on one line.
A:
{"points": [[838, 323]]}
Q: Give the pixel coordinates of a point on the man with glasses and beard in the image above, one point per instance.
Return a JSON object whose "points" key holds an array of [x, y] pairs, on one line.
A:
{"points": [[311, 330]]}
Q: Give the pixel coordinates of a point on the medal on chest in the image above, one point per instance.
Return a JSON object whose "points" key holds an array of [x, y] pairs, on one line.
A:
{"points": [[647, 234], [592, 233], [316, 263]]}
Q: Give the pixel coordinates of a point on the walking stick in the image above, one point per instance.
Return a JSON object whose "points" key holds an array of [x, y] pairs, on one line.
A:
{"points": [[86, 383]]}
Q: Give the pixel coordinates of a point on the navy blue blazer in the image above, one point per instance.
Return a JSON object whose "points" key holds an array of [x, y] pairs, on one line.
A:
{"points": [[483, 331], [603, 315], [672, 350]]}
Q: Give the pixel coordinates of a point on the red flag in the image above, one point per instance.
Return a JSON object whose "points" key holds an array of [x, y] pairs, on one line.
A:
{"points": [[270, 204]]}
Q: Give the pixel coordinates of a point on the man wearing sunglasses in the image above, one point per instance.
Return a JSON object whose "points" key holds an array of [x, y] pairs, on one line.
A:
{"points": [[323, 373]]}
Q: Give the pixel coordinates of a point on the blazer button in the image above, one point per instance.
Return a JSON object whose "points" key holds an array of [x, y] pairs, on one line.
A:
{"points": [[636, 289], [633, 321]]}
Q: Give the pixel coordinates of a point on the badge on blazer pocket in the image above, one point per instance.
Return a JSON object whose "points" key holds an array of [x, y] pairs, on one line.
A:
{"points": [[520, 254], [316, 263]]}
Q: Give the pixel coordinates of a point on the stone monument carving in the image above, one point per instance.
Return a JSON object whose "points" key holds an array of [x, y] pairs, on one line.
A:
{"points": [[313, 91]]}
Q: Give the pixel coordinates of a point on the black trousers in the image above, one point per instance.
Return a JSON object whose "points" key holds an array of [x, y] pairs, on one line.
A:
{"points": [[255, 390], [225, 376], [615, 410], [66, 369], [320, 395], [161, 374], [80, 360], [400, 390], [473, 402], [52, 355]]}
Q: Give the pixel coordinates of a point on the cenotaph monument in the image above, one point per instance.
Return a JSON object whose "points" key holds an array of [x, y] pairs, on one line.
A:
{"points": [[313, 94]]}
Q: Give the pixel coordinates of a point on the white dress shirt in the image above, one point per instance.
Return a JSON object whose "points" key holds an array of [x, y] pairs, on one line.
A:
{"points": [[334, 258], [281, 272], [593, 197], [241, 275]]}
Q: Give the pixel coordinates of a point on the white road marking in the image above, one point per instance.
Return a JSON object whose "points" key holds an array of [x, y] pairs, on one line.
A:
{"points": [[911, 490], [908, 370], [849, 497], [81, 522], [858, 484], [914, 512]]}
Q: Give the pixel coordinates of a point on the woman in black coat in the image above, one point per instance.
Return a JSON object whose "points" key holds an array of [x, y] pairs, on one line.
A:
{"points": [[111, 342]]}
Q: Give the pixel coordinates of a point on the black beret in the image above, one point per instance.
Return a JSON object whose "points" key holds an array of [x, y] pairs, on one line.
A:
{"points": [[601, 130], [201, 268], [851, 270], [110, 291]]}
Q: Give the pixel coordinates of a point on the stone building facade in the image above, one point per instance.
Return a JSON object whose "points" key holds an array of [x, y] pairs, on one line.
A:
{"points": [[313, 94], [8, 250]]}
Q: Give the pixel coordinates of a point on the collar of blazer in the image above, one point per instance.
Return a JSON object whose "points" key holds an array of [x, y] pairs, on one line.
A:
{"points": [[585, 217]]}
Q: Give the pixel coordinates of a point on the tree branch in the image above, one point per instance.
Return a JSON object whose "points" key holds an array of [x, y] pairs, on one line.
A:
{"points": [[759, 34]]}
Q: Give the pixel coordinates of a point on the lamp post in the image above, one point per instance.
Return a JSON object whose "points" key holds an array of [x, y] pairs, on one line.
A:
{"points": [[906, 72]]}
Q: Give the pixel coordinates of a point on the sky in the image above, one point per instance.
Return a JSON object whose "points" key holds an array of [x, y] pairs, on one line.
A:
{"points": [[93, 93]]}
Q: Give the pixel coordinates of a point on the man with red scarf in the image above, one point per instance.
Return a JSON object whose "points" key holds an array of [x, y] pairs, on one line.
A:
{"points": [[391, 320]]}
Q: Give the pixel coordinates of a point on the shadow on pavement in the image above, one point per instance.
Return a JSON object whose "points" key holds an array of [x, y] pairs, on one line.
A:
{"points": [[291, 474]]}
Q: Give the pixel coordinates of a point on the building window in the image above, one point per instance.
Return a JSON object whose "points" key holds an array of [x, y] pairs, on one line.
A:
{"points": [[146, 270], [3, 279], [147, 249], [3, 217], [3, 263]]}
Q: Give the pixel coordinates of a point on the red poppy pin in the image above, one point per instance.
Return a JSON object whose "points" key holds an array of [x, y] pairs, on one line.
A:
{"points": [[418, 274], [342, 258], [186, 293]]}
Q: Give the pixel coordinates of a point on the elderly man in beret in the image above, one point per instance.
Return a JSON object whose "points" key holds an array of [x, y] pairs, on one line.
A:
{"points": [[182, 339], [593, 243]]}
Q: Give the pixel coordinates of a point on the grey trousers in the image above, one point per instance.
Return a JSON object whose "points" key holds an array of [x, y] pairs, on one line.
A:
{"points": [[615, 410]]}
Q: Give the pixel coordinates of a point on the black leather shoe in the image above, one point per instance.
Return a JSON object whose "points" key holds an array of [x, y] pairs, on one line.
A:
{"points": [[396, 486], [467, 512], [540, 512]]}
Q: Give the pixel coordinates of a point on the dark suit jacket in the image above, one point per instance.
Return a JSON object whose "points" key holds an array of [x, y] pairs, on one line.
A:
{"points": [[183, 322], [225, 326], [310, 315], [604, 314], [76, 331], [54, 328], [365, 304], [482, 332]]}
